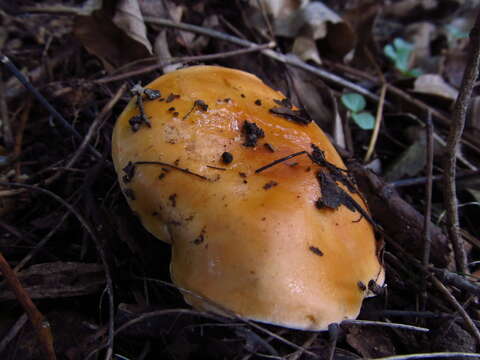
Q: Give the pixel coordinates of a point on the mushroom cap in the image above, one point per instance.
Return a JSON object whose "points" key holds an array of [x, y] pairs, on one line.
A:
{"points": [[253, 243]]}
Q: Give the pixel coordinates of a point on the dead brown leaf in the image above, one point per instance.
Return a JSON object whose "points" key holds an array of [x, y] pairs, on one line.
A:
{"points": [[370, 342], [58, 279], [114, 45], [435, 85], [129, 18]]}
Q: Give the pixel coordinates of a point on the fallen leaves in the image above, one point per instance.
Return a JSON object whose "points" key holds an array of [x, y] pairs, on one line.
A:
{"points": [[115, 33], [58, 279]]}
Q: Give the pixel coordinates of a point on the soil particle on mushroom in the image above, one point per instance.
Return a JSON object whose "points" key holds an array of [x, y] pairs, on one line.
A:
{"points": [[270, 184], [316, 250], [129, 171], [172, 97], [269, 147], [151, 94], [227, 157], [252, 133]]}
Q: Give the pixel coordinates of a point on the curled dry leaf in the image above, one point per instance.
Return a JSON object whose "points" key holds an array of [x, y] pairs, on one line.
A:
{"points": [[308, 22], [129, 18], [435, 85], [101, 35]]}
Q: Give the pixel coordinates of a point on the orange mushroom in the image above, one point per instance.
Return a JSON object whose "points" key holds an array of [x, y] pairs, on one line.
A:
{"points": [[290, 243]]}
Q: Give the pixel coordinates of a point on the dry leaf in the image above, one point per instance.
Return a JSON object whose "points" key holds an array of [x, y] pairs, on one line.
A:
{"points": [[104, 39], [314, 15], [421, 34], [129, 18], [58, 279], [306, 49], [410, 162], [362, 20], [279, 8], [435, 85], [370, 342]]}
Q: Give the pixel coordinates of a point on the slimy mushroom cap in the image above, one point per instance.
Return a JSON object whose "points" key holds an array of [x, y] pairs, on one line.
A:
{"points": [[273, 246]]}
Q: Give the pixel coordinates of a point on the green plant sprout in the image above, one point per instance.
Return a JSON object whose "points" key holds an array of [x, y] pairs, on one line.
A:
{"points": [[356, 103], [400, 53]]}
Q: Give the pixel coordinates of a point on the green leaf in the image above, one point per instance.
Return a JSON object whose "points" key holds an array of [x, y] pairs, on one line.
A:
{"points": [[354, 102], [389, 51], [365, 120], [402, 45], [414, 72]]}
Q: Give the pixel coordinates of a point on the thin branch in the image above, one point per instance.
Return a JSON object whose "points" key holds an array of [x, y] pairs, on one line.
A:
{"points": [[290, 60], [468, 320], [6, 128], [385, 324], [61, 120], [453, 147], [184, 170], [100, 251], [40, 324], [278, 161], [13, 332], [378, 123], [428, 207], [423, 179], [185, 59], [429, 356]]}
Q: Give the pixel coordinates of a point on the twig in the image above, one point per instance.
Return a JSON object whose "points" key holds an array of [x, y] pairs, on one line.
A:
{"points": [[428, 207], [227, 312], [17, 149], [298, 354], [13, 69], [378, 123], [184, 170], [278, 161], [13, 332], [423, 179], [468, 320], [185, 59], [459, 281], [443, 119], [290, 60], [40, 324], [14, 88], [41, 243], [100, 251], [333, 330], [386, 324], [457, 125], [6, 128], [429, 356]]}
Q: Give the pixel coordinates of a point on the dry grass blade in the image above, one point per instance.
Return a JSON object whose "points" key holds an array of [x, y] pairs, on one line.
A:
{"points": [[378, 123]]}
